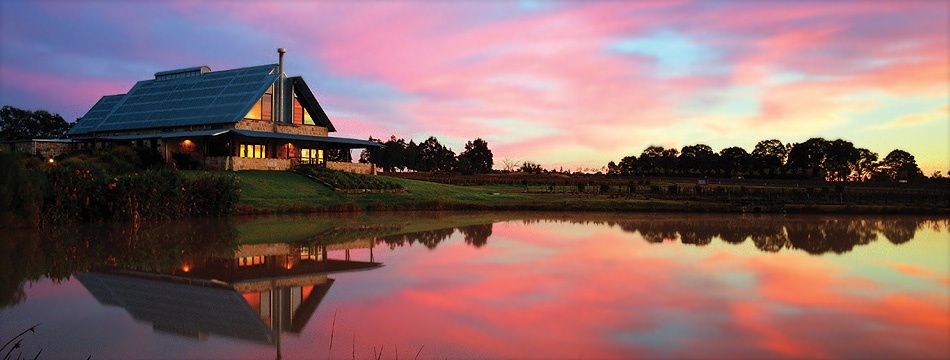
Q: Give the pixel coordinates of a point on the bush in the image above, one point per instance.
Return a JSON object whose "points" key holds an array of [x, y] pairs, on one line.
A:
{"points": [[349, 181]]}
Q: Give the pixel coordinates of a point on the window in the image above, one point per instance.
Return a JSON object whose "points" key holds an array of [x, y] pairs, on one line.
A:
{"points": [[253, 151], [263, 109], [311, 156], [298, 112]]}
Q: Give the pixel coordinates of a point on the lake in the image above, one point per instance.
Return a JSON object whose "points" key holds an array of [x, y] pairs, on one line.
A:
{"points": [[483, 285]]}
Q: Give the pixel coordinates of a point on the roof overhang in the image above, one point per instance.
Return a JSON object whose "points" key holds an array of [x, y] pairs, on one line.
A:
{"points": [[332, 142]]}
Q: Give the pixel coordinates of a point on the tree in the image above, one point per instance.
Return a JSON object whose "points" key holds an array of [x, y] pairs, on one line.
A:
{"points": [[697, 160], [656, 160], [864, 167], [18, 124], [841, 157], [433, 156], [768, 157], [900, 165], [629, 165], [393, 154], [530, 167], [509, 164], [807, 158], [476, 158], [734, 161], [371, 155], [339, 155]]}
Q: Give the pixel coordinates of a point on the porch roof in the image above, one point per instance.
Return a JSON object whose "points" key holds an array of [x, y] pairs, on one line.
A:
{"points": [[324, 139]]}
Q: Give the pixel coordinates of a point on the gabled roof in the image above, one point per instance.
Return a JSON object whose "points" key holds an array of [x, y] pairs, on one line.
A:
{"points": [[306, 98], [197, 98]]}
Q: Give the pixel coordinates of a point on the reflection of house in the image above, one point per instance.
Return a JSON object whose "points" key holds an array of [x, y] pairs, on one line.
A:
{"points": [[263, 291], [248, 118]]}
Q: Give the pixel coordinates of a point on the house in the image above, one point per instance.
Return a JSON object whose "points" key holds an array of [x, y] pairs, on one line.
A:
{"points": [[253, 118]]}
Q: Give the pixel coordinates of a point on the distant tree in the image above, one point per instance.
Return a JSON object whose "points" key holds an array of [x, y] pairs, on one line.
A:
{"points": [[509, 164], [339, 155], [412, 154], [371, 155], [768, 157], [697, 160], [530, 167], [476, 158], [433, 156], [629, 165], [806, 159], [734, 161], [655, 160], [864, 167], [18, 124], [840, 160], [393, 154], [900, 165]]}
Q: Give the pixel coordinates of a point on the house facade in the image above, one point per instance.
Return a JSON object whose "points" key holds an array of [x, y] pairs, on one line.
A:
{"points": [[253, 118]]}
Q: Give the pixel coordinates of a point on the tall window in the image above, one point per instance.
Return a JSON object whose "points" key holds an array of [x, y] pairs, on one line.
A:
{"points": [[263, 109], [311, 156], [253, 151], [298, 112]]}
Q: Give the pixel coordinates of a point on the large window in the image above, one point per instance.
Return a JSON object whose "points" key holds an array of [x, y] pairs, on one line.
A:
{"points": [[253, 151], [301, 115], [263, 108], [311, 156]]}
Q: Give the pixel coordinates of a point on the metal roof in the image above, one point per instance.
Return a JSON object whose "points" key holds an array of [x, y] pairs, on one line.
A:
{"points": [[338, 141], [180, 134], [218, 97]]}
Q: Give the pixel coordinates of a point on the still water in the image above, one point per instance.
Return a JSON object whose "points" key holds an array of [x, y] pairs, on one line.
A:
{"points": [[508, 285]]}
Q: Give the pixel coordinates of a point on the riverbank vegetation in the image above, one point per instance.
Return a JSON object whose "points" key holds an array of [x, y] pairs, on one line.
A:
{"points": [[115, 185]]}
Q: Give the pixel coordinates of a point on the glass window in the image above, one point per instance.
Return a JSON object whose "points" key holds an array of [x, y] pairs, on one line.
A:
{"points": [[255, 112], [253, 151], [298, 112], [266, 108]]}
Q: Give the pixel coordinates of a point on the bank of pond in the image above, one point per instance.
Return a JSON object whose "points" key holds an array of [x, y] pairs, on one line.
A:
{"points": [[118, 187]]}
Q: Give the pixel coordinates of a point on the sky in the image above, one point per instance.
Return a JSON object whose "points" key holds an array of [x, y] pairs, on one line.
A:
{"points": [[569, 85]]}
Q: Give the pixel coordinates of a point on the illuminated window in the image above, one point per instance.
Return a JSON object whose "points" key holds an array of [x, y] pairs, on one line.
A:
{"points": [[307, 120], [311, 156], [252, 151], [298, 112], [251, 260], [263, 108]]}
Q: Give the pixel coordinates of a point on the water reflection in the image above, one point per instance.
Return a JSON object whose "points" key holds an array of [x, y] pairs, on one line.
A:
{"points": [[256, 294], [774, 233], [505, 285]]}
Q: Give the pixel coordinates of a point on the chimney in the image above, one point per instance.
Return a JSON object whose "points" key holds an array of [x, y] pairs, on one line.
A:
{"points": [[280, 64]]}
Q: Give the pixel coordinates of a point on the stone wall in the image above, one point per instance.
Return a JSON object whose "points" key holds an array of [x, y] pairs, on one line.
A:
{"points": [[269, 126], [42, 148], [357, 168], [239, 163]]}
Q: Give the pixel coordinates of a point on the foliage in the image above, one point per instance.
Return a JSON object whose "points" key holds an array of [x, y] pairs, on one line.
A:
{"points": [[431, 156], [350, 181], [21, 190], [900, 165], [477, 158], [18, 124]]}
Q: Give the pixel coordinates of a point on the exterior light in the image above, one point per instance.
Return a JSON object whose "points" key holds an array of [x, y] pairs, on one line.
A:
{"points": [[51, 160]]}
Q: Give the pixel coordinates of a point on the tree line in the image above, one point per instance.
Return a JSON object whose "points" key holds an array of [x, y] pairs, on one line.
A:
{"points": [[429, 156], [817, 159]]}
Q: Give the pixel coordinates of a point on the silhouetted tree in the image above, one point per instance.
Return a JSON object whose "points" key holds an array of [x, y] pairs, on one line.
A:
{"points": [[840, 158], [339, 155], [768, 157], [697, 160], [18, 124], [476, 158], [806, 159], [734, 161], [900, 165], [433, 156]]}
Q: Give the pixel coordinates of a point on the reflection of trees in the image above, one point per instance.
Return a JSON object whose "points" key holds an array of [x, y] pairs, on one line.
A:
{"points": [[899, 231], [476, 235], [58, 253], [429, 238], [772, 234]]}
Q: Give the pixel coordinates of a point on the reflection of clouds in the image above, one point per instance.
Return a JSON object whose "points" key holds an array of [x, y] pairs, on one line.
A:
{"points": [[603, 293]]}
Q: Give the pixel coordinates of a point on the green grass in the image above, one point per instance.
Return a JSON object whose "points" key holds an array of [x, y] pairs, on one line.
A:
{"points": [[286, 192]]}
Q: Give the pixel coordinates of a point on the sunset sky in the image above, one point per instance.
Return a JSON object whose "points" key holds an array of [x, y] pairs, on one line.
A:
{"points": [[563, 84]]}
